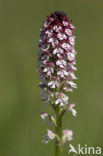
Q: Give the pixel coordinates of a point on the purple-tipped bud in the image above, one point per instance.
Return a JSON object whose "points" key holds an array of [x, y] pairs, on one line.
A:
{"points": [[57, 58]]}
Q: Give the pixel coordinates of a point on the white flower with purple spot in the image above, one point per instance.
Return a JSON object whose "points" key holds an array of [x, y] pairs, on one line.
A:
{"points": [[62, 73], [49, 33], [65, 23], [57, 28], [44, 115], [72, 40], [67, 135], [61, 63], [66, 46], [73, 76], [53, 84], [48, 70], [68, 32], [50, 136], [62, 99], [70, 56], [72, 84], [71, 108], [61, 36], [57, 50]]}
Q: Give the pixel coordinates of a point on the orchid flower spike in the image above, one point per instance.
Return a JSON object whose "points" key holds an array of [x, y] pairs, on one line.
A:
{"points": [[56, 67], [57, 59]]}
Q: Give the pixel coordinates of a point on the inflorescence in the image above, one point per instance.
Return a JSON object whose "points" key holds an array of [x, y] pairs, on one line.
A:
{"points": [[56, 69]]}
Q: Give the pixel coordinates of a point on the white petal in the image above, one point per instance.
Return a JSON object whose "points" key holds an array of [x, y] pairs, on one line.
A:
{"points": [[45, 70], [72, 84], [65, 23], [74, 112], [66, 46], [51, 135], [72, 26], [60, 36], [51, 40], [72, 40], [57, 101], [73, 67], [71, 56], [73, 76], [50, 83], [64, 36], [67, 135], [70, 108], [66, 73], [55, 51], [68, 32]]}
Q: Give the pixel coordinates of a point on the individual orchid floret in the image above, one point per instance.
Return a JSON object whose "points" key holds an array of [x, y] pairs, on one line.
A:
{"points": [[48, 70], [57, 28], [51, 118], [61, 36], [69, 32], [72, 84], [50, 136], [44, 115], [61, 63], [58, 52], [70, 108], [53, 84], [62, 99], [72, 75], [67, 135], [62, 73], [66, 47]]}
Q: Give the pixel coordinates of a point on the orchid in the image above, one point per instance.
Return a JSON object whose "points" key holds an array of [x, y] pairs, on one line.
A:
{"points": [[56, 67]]}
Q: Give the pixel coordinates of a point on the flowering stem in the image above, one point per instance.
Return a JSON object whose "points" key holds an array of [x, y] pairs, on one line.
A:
{"points": [[56, 66], [58, 131]]}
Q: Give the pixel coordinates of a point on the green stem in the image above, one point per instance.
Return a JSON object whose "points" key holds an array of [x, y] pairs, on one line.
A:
{"points": [[58, 131]]}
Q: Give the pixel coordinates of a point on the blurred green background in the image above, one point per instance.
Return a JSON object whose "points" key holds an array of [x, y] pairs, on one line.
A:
{"points": [[21, 130]]}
